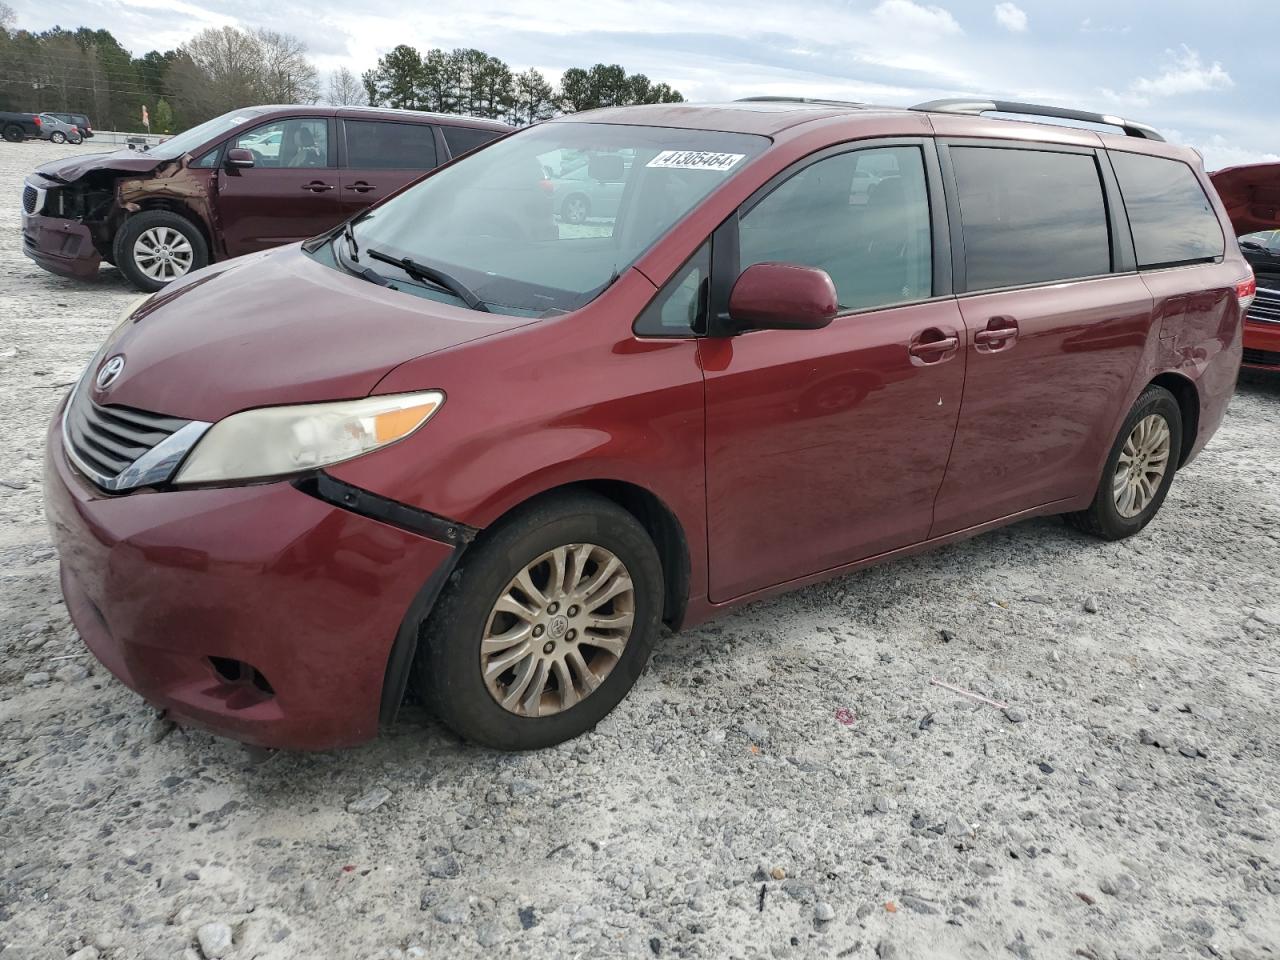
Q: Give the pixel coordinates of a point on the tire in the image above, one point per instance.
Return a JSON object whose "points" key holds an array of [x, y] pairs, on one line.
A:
{"points": [[449, 669], [1106, 517], [58, 136], [13, 133], [161, 230], [575, 209], [77, 140]]}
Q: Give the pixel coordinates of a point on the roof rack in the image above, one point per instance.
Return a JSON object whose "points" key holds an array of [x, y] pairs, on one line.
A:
{"points": [[825, 103], [979, 107]]}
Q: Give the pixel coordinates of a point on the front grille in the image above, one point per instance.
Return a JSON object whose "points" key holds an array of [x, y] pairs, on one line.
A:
{"points": [[1265, 307], [30, 198], [110, 439], [1262, 358]]}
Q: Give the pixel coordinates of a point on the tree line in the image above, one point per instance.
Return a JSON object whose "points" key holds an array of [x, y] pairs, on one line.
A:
{"points": [[220, 69], [473, 82]]}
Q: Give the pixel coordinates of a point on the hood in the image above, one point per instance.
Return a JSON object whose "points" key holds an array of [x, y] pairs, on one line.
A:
{"points": [[277, 328], [1251, 194], [121, 161]]}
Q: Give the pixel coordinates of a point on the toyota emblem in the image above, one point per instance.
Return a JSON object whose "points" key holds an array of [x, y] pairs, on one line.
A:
{"points": [[110, 372]]}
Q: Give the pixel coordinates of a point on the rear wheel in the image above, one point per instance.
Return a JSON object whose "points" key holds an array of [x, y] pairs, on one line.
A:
{"points": [[545, 626], [156, 247], [1138, 471], [58, 136], [13, 133], [575, 209]]}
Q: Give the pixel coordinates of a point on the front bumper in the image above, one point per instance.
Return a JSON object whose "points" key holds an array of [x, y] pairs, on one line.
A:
{"points": [[1261, 345], [308, 594], [64, 247]]}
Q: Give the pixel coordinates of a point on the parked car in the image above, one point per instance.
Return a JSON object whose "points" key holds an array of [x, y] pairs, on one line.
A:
{"points": [[78, 120], [1252, 196], [16, 127], [452, 439], [579, 196], [246, 181], [55, 130]]}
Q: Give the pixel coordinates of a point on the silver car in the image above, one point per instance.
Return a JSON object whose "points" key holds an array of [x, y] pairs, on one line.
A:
{"points": [[58, 131]]}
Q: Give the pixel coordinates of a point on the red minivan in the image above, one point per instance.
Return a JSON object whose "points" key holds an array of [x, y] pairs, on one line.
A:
{"points": [[461, 441], [250, 179]]}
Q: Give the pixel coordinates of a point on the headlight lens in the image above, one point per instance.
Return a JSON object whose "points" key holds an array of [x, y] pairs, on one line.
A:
{"points": [[274, 441]]}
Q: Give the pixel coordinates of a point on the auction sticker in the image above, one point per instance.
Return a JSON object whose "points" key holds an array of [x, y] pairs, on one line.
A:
{"points": [[694, 160]]}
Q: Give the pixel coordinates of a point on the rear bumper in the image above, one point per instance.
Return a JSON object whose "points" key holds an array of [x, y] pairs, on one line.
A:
{"points": [[1262, 345], [309, 595], [60, 246]]}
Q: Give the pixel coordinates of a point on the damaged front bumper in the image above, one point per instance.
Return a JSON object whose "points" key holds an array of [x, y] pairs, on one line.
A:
{"points": [[57, 244]]}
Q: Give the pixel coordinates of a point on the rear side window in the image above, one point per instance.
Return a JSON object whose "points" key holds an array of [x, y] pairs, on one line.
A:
{"points": [[1030, 216], [465, 139], [862, 216], [379, 145], [1172, 219]]}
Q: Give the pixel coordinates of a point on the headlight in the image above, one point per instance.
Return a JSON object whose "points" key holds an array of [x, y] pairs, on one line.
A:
{"points": [[279, 440]]}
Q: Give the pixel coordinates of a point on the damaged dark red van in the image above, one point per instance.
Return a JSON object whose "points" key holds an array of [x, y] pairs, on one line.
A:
{"points": [[250, 179], [469, 442]]}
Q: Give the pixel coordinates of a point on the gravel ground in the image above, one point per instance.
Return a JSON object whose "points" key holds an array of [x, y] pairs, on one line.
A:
{"points": [[784, 782]]}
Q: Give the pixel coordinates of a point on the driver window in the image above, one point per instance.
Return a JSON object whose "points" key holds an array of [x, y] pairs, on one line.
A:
{"points": [[862, 216], [288, 144]]}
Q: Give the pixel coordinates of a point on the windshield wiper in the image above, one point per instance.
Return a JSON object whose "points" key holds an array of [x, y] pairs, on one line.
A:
{"points": [[349, 234], [437, 278]]}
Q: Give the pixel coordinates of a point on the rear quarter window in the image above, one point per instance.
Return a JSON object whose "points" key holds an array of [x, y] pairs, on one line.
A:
{"points": [[1172, 220], [465, 139], [1030, 216]]}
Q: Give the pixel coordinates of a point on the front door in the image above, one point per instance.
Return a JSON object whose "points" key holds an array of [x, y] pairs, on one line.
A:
{"points": [[289, 194], [382, 156], [828, 446], [1055, 336]]}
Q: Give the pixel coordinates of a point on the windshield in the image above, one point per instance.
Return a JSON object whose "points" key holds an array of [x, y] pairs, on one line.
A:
{"points": [[201, 134], [542, 221]]}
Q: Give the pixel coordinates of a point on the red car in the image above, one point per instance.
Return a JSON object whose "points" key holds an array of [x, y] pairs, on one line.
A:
{"points": [[251, 179], [457, 440], [1252, 196]]}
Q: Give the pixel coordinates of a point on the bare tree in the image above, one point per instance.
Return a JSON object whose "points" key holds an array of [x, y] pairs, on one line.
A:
{"points": [[7, 16], [345, 90], [287, 76], [218, 70]]}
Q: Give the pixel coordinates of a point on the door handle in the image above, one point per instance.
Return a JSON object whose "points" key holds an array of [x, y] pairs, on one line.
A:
{"points": [[934, 349], [995, 336], [361, 187], [317, 186]]}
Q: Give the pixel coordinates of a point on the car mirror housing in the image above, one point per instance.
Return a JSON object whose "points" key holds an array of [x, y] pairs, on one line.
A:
{"points": [[239, 157], [783, 296]]}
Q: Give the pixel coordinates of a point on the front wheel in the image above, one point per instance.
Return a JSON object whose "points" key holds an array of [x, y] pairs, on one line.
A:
{"points": [[545, 626], [58, 136], [575, 209], [1138, 471], [156, 247]]}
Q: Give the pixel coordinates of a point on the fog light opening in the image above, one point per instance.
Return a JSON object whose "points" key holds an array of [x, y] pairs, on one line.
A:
{"points": [[239, 673]]}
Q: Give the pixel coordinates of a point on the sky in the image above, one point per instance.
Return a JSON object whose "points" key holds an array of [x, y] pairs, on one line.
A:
{"points": [[1199, 72]]}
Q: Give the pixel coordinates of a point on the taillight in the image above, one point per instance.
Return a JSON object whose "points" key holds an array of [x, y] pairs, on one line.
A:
{"points": [[39, 122], [1246, 290], [546, 186]]}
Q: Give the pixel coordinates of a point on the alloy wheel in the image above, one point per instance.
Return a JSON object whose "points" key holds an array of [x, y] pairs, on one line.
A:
{"points": [[1142, 465], [557, 630], [162, 254]]}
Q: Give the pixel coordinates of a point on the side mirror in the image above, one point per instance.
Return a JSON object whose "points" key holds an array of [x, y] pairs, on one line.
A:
{"points": [[239, 157], [783, 296], [607, 168]]}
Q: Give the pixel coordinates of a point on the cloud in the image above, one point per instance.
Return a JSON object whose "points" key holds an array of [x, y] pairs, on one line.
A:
{"points": [[906, 15], [1185, 73], [1012, 17], [1088, 26], [1219, 152]]}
